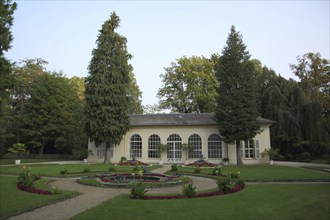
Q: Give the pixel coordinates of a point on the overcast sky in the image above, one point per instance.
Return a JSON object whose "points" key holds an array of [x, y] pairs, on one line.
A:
{"points": [[159, 32]]}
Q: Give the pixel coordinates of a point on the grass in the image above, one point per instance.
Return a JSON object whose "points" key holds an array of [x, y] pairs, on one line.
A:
{"points": [[254, 202], [53, 170], [13, 200], [267, 173]]}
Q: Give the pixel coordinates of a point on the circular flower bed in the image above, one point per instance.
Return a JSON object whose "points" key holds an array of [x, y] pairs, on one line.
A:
{"points": [[199, 195], [126, 180]]}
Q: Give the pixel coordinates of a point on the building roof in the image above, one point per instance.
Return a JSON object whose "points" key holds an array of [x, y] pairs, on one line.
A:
{"points": [[186, 119]]}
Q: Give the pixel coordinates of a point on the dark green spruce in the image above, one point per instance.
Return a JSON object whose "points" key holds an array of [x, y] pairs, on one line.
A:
{"points": [[107, 88], [236, 109]]}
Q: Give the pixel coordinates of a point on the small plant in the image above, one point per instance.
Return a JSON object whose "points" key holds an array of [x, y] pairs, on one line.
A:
{"points": [[189, 190], [225, 184], [63, 171], [138, 191], [174, 167], [86, 170], [240, 182], [55, 190], [112, 168], [18, 150], [197, 170], [234, 176], [216, 171], [123, 159], [26, 178], [270, 152], [137, 168]]}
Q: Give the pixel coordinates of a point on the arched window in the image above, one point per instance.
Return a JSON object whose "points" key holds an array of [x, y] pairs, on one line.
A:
{"points": [[196, 141], [153, 151], [214, 145], [174, 151], [136, 146]]}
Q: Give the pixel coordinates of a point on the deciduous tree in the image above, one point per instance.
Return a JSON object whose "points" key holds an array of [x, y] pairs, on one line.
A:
{"points": [[189, 86]]}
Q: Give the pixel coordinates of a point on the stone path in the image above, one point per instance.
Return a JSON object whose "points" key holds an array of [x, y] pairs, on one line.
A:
{"points": [[93, 196]]}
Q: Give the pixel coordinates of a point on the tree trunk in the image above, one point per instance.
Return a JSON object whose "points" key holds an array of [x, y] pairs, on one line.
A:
{"points": [[238, 153], [106, 155], [41, 151]]}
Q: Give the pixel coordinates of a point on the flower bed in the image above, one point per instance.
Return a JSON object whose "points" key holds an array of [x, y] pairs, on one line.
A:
{"points": [[33, 190], [200, 195], [133, 163], [201, 163]]}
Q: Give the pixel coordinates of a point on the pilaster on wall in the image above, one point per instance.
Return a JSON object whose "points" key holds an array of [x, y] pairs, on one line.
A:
{"points": [[232, 153]]}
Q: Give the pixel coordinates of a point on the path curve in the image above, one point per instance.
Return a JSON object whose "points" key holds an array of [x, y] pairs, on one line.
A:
{"points": [[93, 196]]}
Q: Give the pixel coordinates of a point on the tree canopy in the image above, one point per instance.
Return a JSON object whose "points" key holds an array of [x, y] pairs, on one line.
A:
{"points": [[236, 110], [107, 87], [189, 85]]}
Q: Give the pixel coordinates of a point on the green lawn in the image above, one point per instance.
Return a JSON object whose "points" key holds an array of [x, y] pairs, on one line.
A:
{"points": [[254, 202], [268, 173], [13, 200], [54, 169]]}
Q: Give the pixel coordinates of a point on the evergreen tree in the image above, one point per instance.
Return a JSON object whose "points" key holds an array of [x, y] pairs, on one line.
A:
{"points": [[236, 110], [107, 88]]}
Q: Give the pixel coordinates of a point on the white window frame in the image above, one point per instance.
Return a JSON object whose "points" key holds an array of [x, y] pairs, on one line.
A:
{"points": [[136, 146], [250, 150], [153, 141], [214, 147], [196, 141]]}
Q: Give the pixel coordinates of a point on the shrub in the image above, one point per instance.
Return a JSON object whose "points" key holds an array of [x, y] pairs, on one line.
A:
{"points": [[112, 168], [137, 168], [80, 153], [304, 156], [63, 171], [189, 190], [240, 182], [123, 159], [216, 171], [26, 178], [224, 184], [174, 167], [138, 191], [86, 170], [197, 170]]}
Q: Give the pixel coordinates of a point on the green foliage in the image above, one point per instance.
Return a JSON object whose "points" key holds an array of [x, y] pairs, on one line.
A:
{"points": [[7, 9], [64, 171], [197, 170], [236, 76], [80, 153], [26, 178], [189, 190], [123, 159], [137, 168], [189, 85], [271, 153], [87, 169], [216, 171], [174, 167], [138, 191], [107, 87], [18, 150], [112, 168], [224, 184]]}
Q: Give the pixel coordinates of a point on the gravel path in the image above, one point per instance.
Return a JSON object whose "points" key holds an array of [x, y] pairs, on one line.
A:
{"points": [[93, 196]]}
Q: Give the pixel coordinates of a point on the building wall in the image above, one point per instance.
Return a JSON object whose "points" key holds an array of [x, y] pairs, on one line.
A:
{"points": [[228, 150]]}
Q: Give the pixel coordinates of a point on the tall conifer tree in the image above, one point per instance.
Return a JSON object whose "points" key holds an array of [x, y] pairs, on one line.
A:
{"points": [[107, 88], [236, 110]]}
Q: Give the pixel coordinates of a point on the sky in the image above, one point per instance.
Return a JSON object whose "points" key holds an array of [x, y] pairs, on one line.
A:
{"points": [[159, 32]]}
